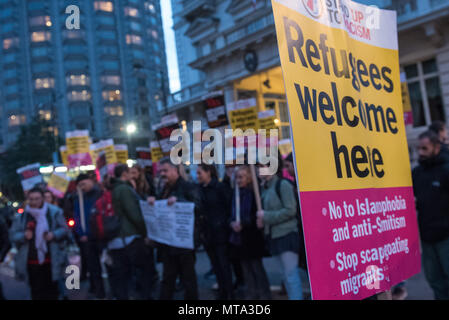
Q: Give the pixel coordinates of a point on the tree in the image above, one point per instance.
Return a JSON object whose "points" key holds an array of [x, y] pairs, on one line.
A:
{"points": [[35, 143]]}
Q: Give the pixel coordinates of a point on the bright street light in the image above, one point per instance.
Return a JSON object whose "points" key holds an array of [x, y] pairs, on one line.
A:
{"points": [[131, 128]]}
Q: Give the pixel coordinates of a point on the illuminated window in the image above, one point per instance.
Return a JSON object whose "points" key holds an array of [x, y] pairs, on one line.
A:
{"points": [[131, 12], [153, 33], [111, 80], [16, 120], [40, 36], [73, 34], [40, 21], [114, 111], [10, 42], [150, 7], [104, 6], [83, 95], [133, 39], [78, 80], [112, 95], [44, 83], [45, 114]]}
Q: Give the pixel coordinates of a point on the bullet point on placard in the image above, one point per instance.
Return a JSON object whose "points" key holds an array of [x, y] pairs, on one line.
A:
{"points": [[324, 211], [332, 264]]}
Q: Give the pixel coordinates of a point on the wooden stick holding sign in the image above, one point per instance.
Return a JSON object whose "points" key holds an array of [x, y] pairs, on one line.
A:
{"points": [[252, 167]]}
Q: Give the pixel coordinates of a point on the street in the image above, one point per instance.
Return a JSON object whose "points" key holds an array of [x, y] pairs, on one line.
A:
{"points": [[417, 287]]}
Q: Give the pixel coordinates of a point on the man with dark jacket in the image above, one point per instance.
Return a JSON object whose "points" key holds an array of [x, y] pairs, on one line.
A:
{"points": [[128, 250], [177, 261], [431, 187], [88, 193]]}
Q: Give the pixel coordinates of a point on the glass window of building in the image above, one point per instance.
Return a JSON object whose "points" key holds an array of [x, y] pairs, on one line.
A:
{"points": [[425, 92], [8, 27], [73, 34], [40, 21], [36, 5], [40, 52], [116, 111], [44, 83], [41, 67], [135, 26], [105, 20], [112, 95], [111, 80], [108, 35], [11, 89], [131, 12], [5, 13], [133, 39], [9, 43], [40, 36], [150, 7], [8, 58], [78, 80], [104, 6], [110, 65], [45, 114], [83, 95], [16, 120]]}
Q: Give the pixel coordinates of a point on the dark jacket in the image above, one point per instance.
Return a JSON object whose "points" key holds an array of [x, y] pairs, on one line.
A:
{"points": [[5, 244], [431, 188], [214, 212], [184, 192], [89, 199], [249, 243], [125, 202]]}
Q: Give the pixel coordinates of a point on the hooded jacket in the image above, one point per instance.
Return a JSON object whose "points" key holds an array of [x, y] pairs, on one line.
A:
{"points": [[431, 188]]}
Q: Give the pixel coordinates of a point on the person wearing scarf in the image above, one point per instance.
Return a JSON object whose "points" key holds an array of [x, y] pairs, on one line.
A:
{"points": [[38, 234]]}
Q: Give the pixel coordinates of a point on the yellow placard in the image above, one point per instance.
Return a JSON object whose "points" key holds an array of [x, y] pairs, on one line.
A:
{"points": [[121, 153], [345, 103], [156, 152], [64, 155], [58, 184], [243, 115], [77, 144]]}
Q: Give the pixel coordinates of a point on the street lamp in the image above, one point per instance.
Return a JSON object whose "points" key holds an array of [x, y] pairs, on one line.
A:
{"points": [[131, 128]]}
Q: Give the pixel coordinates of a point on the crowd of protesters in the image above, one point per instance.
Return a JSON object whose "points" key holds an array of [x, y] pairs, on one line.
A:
{"points": [[236, 224]]}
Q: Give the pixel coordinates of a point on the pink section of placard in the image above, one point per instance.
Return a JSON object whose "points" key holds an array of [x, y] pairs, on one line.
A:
{"points": [[354, 253], [80, 159]]}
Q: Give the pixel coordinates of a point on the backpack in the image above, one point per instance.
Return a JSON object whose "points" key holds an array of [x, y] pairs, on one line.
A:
{"points": [[104, 224], [302, 248]]}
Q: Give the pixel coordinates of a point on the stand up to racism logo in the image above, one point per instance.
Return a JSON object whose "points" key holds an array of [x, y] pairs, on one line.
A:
{"points": [[313, 7]]}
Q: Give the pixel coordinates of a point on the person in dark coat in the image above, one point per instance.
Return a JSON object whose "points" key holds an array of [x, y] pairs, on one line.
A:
{"points": [[247, 239], [5, 245], [431, 188], [177, 261], [214, 213]]}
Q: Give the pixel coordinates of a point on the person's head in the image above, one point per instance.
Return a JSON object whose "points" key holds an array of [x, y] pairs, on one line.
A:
{"points": [[289, 166], [135, 172], [169, 172], [429, 145], [243, 177], [85, 182], [122, 172], [49, 197], [35, 198], [264, 168], [439, 127], [205, 173]]}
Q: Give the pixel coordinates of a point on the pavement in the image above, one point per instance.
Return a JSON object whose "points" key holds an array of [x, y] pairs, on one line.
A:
{"points": [[417, 287]]}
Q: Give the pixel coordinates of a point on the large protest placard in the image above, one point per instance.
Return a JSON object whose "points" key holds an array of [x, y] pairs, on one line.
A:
{"points": [[64, 155], [78, 148], [143, 157], [121, 153], [163, 131], [351, 155], [58, 184], [243, 114], [214, 103], [172, 225], [406, 103], [30, 176]]}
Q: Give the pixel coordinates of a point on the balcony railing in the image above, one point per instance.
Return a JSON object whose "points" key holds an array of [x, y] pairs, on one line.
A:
{"points": [[185, 95]]}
